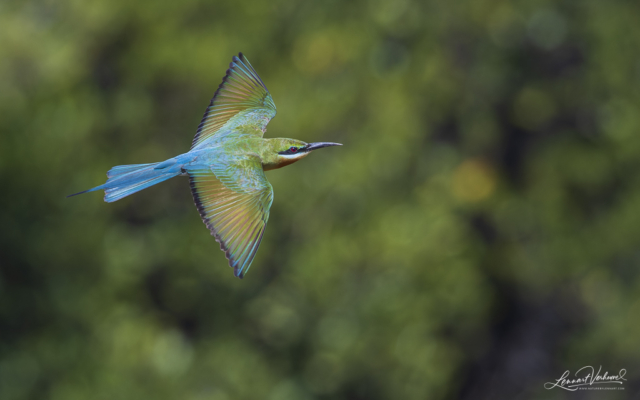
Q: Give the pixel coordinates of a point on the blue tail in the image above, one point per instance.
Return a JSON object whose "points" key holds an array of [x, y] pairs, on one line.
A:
{"points": [[124, 180]]}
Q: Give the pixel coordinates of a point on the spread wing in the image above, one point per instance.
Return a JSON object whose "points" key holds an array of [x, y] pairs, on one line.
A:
{"points": [[234, 198], [241, 99]]}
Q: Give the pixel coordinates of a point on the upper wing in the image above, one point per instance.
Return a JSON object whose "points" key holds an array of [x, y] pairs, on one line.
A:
{"points": [[234, 198], [241, 99]]}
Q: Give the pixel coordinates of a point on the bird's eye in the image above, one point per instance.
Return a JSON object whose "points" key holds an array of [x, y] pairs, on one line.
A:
{"points": [[293, 149]]}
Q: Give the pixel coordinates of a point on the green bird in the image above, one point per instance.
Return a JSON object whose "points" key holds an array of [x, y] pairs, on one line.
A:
{"points": [[225, 165]]}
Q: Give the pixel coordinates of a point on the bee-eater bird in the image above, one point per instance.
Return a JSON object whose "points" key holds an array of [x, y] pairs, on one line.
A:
{"points": [[225, 165]]}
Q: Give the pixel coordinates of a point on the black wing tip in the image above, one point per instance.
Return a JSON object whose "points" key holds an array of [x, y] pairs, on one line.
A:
{"points": [[225, 78], [243, 59], [238, 271], [240, 58]]}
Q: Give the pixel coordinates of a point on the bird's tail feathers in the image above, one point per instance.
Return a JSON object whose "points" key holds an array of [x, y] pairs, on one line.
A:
{"points": [[116, 193], [124, 180], [125, 169]]}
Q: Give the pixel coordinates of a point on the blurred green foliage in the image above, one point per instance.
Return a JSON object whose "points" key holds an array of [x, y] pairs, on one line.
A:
{"points": [[477, 235]]}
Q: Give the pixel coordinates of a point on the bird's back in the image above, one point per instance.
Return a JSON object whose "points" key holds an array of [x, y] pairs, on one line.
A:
{"points": [[237, 142]]}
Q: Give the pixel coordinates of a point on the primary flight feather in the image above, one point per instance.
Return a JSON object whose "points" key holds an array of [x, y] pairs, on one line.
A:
{"points": [[225, 165]]}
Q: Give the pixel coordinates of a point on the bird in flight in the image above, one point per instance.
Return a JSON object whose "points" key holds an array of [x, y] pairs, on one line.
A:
{"points": [[225, 165]]}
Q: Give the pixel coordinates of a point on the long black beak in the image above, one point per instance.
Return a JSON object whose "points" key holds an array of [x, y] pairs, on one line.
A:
{"points": [[319, 145]]}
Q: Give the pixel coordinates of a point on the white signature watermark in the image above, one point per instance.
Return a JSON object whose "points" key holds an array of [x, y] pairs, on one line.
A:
{"points": [[586, 378]]}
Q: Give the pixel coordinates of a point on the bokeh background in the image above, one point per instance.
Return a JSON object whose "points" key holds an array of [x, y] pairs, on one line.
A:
{"points": [[477, 235]]}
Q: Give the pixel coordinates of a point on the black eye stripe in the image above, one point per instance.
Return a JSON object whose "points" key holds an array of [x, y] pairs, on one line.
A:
{"points": [[292, 150]]}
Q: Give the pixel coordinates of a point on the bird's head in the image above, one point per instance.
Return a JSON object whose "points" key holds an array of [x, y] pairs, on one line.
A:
{"points": [[288, 151]]}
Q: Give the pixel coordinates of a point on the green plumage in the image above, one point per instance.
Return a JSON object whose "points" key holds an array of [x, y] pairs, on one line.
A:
{"points": [[225, 165]]}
